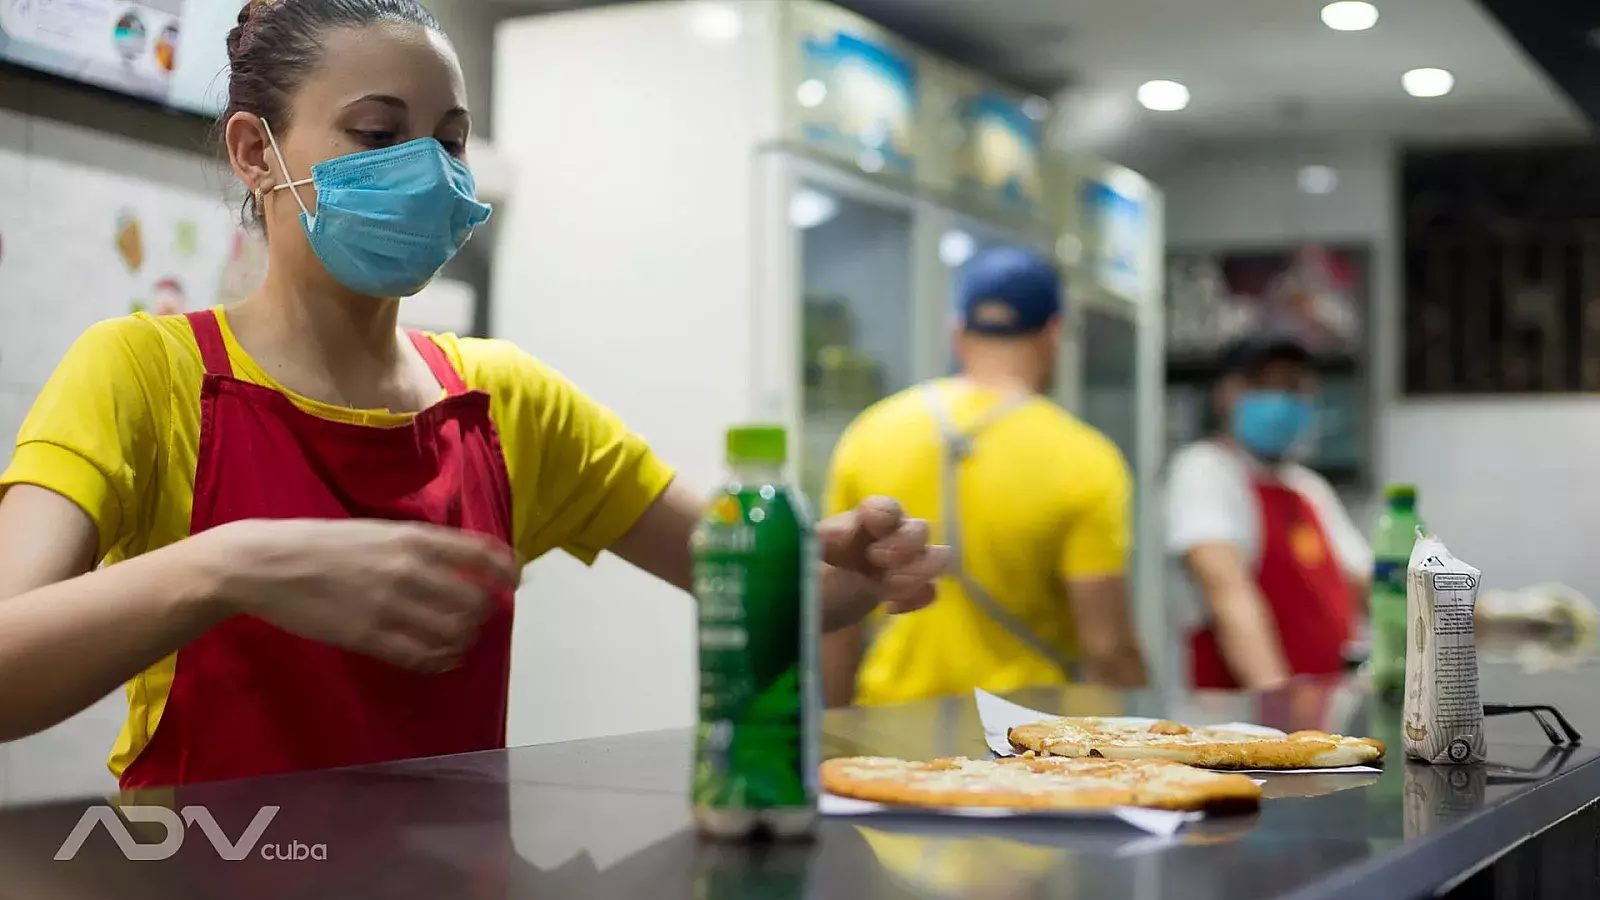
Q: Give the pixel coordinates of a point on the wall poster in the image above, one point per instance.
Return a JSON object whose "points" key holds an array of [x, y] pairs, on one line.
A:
{"points": [[999, 157], [857, 98], [85, 242], [1117, 222]]}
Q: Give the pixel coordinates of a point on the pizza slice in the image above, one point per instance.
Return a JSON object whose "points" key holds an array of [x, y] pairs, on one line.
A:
{"points": [[1038, 783], [1211, 748]]}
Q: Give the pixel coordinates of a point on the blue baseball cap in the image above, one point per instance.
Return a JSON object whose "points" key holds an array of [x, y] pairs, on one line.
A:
{"points": [[1009, 292]]}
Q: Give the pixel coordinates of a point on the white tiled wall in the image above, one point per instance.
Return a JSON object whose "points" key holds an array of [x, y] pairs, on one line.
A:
{"points": [[69, 760], [14, 401], [1509, 484]]}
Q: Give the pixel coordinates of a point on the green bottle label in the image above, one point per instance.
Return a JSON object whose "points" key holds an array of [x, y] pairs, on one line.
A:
{"points": [[1389, 574], [1387, 610], [753, 573]]}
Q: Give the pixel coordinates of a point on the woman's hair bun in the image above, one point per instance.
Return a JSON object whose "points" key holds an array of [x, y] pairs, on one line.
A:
{"points": [[249, 22]]}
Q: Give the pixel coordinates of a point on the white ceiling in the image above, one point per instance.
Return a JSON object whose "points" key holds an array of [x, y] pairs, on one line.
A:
{"points": [[1260, 67], [1257, 69]]}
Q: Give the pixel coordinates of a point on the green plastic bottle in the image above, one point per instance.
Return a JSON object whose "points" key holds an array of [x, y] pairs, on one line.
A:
{"points": [[1386, 609], [755, 560]]}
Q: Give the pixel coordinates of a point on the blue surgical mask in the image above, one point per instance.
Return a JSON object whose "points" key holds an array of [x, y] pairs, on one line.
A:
{"points": [[388, 220], [1272, 424]]}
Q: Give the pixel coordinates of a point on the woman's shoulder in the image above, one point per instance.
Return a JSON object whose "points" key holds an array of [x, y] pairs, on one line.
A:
{"points": [[138, 328], [139, 341], [497, 366]]}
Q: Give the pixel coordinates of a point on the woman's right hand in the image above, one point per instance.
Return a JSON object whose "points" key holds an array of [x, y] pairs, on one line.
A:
{"points": [[411, 594]]}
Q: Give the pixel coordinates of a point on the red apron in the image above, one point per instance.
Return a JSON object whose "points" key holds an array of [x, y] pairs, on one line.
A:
{"points": [[248, 698], [1304, 586]]}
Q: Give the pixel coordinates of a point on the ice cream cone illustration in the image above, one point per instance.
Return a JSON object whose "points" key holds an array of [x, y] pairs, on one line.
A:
{"points": [[169, 299], [130, 240], [186, 238]]}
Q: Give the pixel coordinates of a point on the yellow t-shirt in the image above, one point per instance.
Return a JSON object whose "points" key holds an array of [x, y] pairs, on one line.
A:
{"points": [[1044, 497], [117, 428]]}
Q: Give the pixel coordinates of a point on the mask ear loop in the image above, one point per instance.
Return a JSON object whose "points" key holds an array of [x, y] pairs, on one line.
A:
{"points": [[273, 140]]}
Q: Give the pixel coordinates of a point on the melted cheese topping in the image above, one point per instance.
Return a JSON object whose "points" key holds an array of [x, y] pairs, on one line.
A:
{"points": [[1032, 776], [1125, 734]]}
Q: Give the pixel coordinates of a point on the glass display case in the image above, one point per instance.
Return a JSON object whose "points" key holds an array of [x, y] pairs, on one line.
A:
{"points": [[1110, 377], [855, 310]]}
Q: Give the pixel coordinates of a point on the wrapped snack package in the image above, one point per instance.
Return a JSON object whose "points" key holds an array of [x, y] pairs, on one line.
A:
{"points": [[1443, 713]]}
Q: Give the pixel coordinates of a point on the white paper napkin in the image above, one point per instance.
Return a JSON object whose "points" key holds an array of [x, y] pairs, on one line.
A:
{"points": [[1000, 716], [1159, 822]]}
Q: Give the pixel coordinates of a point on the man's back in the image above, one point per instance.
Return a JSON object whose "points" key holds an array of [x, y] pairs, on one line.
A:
{"points": [[1043, 497]]}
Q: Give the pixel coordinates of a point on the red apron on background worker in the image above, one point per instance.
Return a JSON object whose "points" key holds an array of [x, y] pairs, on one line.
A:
{"points": [[1275, 568], [310, 522]]}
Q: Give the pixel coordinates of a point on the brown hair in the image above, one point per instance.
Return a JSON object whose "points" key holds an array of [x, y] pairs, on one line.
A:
{"points": [[277, 43]]}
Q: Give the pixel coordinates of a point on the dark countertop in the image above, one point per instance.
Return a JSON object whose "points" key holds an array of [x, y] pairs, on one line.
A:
{"points": [[609, 818]]}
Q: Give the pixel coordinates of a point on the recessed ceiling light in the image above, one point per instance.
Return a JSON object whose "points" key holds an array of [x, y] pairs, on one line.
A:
{"points": [[1428, 82], [1163, 96], [956, 247], [809, 208], [870, 161], [811, 93], [715, 22], [1318, 179], [1350, 15]]}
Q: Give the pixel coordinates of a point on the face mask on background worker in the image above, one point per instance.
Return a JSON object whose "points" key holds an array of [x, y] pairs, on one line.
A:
{"points": [[1273, 425], [388, 220]]}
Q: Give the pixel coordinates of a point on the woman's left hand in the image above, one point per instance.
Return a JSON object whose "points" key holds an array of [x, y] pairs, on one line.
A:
{"points": [[876, 556]]}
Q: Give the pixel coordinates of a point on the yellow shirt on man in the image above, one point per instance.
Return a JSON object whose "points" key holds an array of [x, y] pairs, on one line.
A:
{"points": [[1044, 498], [116, 430]]}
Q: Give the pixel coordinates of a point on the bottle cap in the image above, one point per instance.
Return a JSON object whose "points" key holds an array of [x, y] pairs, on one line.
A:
{"points": [[758, 444], [1401, 493]]}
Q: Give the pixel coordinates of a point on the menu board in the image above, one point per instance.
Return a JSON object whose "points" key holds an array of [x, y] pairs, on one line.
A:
{"points": [[1501, 270], [171, 52], [856, 93]]}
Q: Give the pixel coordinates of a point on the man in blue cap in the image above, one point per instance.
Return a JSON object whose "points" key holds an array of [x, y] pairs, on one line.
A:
{"points": [[1033, 503]]}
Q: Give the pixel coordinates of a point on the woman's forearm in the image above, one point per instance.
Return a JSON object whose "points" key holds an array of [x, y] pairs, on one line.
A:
{"points": [[66, 645]]}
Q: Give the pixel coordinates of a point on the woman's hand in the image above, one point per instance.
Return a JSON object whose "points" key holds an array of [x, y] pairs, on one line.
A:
{"points": [[875, 555], [411, 594]]}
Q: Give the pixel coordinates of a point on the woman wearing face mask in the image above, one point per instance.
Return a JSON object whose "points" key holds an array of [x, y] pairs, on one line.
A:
{"points": [[314, 521], [1279, 568]]}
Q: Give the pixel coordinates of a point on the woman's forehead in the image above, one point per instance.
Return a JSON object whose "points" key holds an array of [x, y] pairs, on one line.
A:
{"points": [[393, 59]]}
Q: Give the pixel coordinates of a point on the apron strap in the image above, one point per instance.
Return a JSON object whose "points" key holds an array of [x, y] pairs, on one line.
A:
{"points": [[438, 363], [208, 337], [956, 445]]}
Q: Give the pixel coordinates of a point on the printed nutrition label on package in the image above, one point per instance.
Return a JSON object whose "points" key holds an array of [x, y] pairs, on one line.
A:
{"points": [[1455, 662]]}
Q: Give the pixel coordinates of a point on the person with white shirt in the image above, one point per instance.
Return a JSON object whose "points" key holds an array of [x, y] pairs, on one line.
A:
{"points": [[1277, 569]]}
